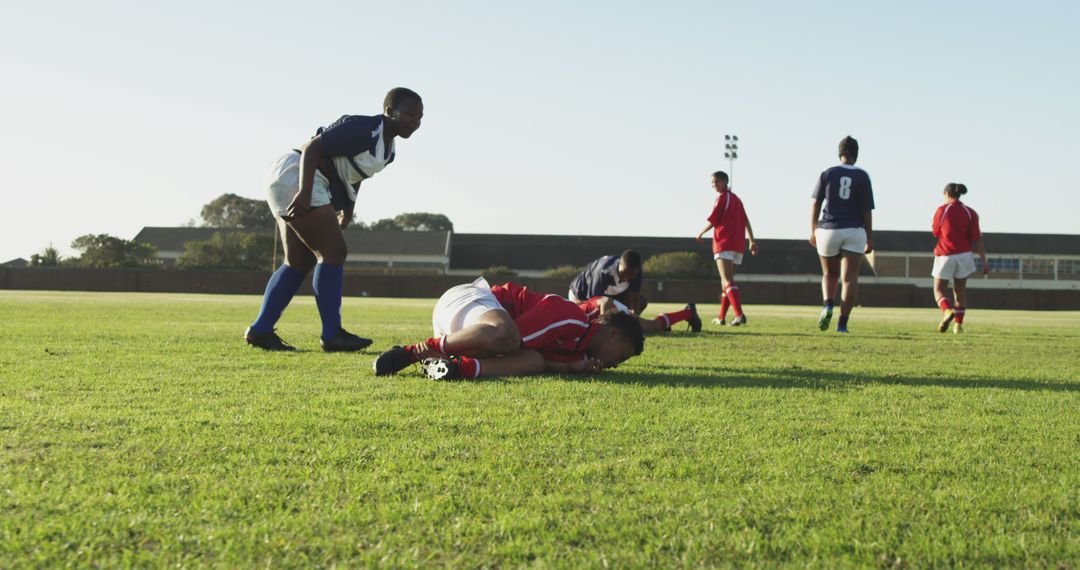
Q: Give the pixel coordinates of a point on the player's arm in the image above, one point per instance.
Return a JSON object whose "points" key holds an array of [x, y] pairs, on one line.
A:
{"points": [[702, 232], [633, 301], [977, 245], [310, 154], [868, 221], [815, 213], [586, 364], [750, 234]]}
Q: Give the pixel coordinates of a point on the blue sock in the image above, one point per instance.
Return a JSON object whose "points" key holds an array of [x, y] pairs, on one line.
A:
{"points": [[842, 324], [328, 283], [279, 291], [828, 303]]}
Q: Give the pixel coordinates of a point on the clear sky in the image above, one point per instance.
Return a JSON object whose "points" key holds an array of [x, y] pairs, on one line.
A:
{"points": [[555, 117]]}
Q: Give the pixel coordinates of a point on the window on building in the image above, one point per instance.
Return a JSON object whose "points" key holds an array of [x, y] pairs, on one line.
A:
{"points": [[1068, 267], [1038, 267], [1002, 264]]}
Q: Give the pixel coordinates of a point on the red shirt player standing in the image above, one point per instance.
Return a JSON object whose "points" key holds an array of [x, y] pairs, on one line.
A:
{"points": [[956, 226], [730, 227]]}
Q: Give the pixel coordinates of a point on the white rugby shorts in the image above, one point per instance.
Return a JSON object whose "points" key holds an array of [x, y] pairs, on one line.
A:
{"points": [[831, 242], [460, 306], [283, 182], [956, 266], [732, 256]]}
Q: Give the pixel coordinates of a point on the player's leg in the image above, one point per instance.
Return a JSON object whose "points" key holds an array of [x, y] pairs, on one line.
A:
{"points": [[280, 290], [830, 276], [320, 231], [731, 290], [960, 290], [522, 362], [942, 296], [665, 321], [850, 264]]}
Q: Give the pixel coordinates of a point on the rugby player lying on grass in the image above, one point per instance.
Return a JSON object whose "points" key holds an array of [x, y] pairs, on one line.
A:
{"points": [[508, 330]]}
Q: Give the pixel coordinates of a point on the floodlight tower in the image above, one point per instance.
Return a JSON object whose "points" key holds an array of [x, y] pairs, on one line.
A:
{"points": [[731, 152]]}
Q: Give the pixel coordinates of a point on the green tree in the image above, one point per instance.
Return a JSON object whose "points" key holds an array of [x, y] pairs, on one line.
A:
{"points": [[49, 257], [679, 265], [229, 250], [232, 211], [498, 273], [424, 222], [563, 272], [384, 224], [105, 251]]}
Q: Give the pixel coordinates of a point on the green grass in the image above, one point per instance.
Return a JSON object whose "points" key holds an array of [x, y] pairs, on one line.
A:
{"points": [[139, 429]]}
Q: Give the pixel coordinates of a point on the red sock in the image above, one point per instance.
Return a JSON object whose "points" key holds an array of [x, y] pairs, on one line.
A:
{"points": [[671, 318], [944, 304], [724, 304], [959, 314], [733, 295], [434, 346], [468, 367]]}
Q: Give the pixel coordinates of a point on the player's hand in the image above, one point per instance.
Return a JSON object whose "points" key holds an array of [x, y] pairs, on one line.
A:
{"points": [[300, 205], [869, 247], [813, 238], [588, 364], [753, 248], [699, 238], [345, 216]]}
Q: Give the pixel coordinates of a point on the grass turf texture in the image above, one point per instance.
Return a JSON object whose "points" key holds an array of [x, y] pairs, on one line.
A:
{"points": [[139, 429]]}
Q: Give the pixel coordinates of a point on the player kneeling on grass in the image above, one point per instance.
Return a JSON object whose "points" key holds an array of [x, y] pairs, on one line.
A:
{"points": [[598, 306], [619, 278], [730, 227], [508, 330], [956, 226]]}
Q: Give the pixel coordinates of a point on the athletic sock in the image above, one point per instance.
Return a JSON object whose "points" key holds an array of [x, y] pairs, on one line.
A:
{"points": [[724, 304], [842, 323], [280, 290], [959, 311], [944, 304], [828, 304], [328, 282], [434, 346], [736, 303], [677, 317], [468, 367]]}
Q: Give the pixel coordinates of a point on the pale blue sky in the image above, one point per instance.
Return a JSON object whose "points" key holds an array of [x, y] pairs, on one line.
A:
{"points": [[555, 117]]}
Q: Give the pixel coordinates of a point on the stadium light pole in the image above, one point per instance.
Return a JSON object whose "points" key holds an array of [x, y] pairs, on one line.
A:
{"points": [[731, 152]]}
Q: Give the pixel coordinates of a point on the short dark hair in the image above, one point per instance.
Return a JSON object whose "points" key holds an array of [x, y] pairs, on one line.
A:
{"points": [[955, 190], [629, 327], [721, 175], [631, 259], [399, 95], [849, 147]]}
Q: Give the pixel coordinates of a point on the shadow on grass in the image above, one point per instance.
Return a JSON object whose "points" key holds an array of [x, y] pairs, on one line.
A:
{"points": [[719, 377]]}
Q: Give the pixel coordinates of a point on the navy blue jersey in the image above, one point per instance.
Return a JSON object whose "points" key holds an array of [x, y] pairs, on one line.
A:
{"points": [[847, 194], [601, 277], [355, 149]]}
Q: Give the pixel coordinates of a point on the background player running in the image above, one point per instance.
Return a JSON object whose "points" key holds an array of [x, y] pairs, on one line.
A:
{"points": [[312, 193], [619, 278], [956, 226], [844, 200], [731, 227], [509, 330]]}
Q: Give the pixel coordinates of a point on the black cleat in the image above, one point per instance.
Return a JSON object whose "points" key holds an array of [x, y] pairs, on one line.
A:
{"points": [[393, 361], [440, 369], [345, 341], [266, 341], [738, 321], [695, 320]]}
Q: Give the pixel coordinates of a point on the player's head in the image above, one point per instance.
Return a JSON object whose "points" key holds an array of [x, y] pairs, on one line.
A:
{"points": [[629, 265], [618, 338], [849, 149], [955, 190], [719, 180], [403, 109]]}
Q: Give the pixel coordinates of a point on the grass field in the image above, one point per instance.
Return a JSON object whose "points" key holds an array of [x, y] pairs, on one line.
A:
{"points": [[138, 429]]}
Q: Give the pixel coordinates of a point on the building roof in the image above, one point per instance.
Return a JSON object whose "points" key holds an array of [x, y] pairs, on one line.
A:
{"points": [[996, 243], [364, 242], [17, 262]]}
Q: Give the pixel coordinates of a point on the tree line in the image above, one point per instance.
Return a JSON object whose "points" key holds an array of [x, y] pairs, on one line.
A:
{"points": [[246, 242]]}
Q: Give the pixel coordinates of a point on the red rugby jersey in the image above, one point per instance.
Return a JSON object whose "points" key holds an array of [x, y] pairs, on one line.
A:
{"points": [[728, 219], [549, 324], [956, 226]]}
